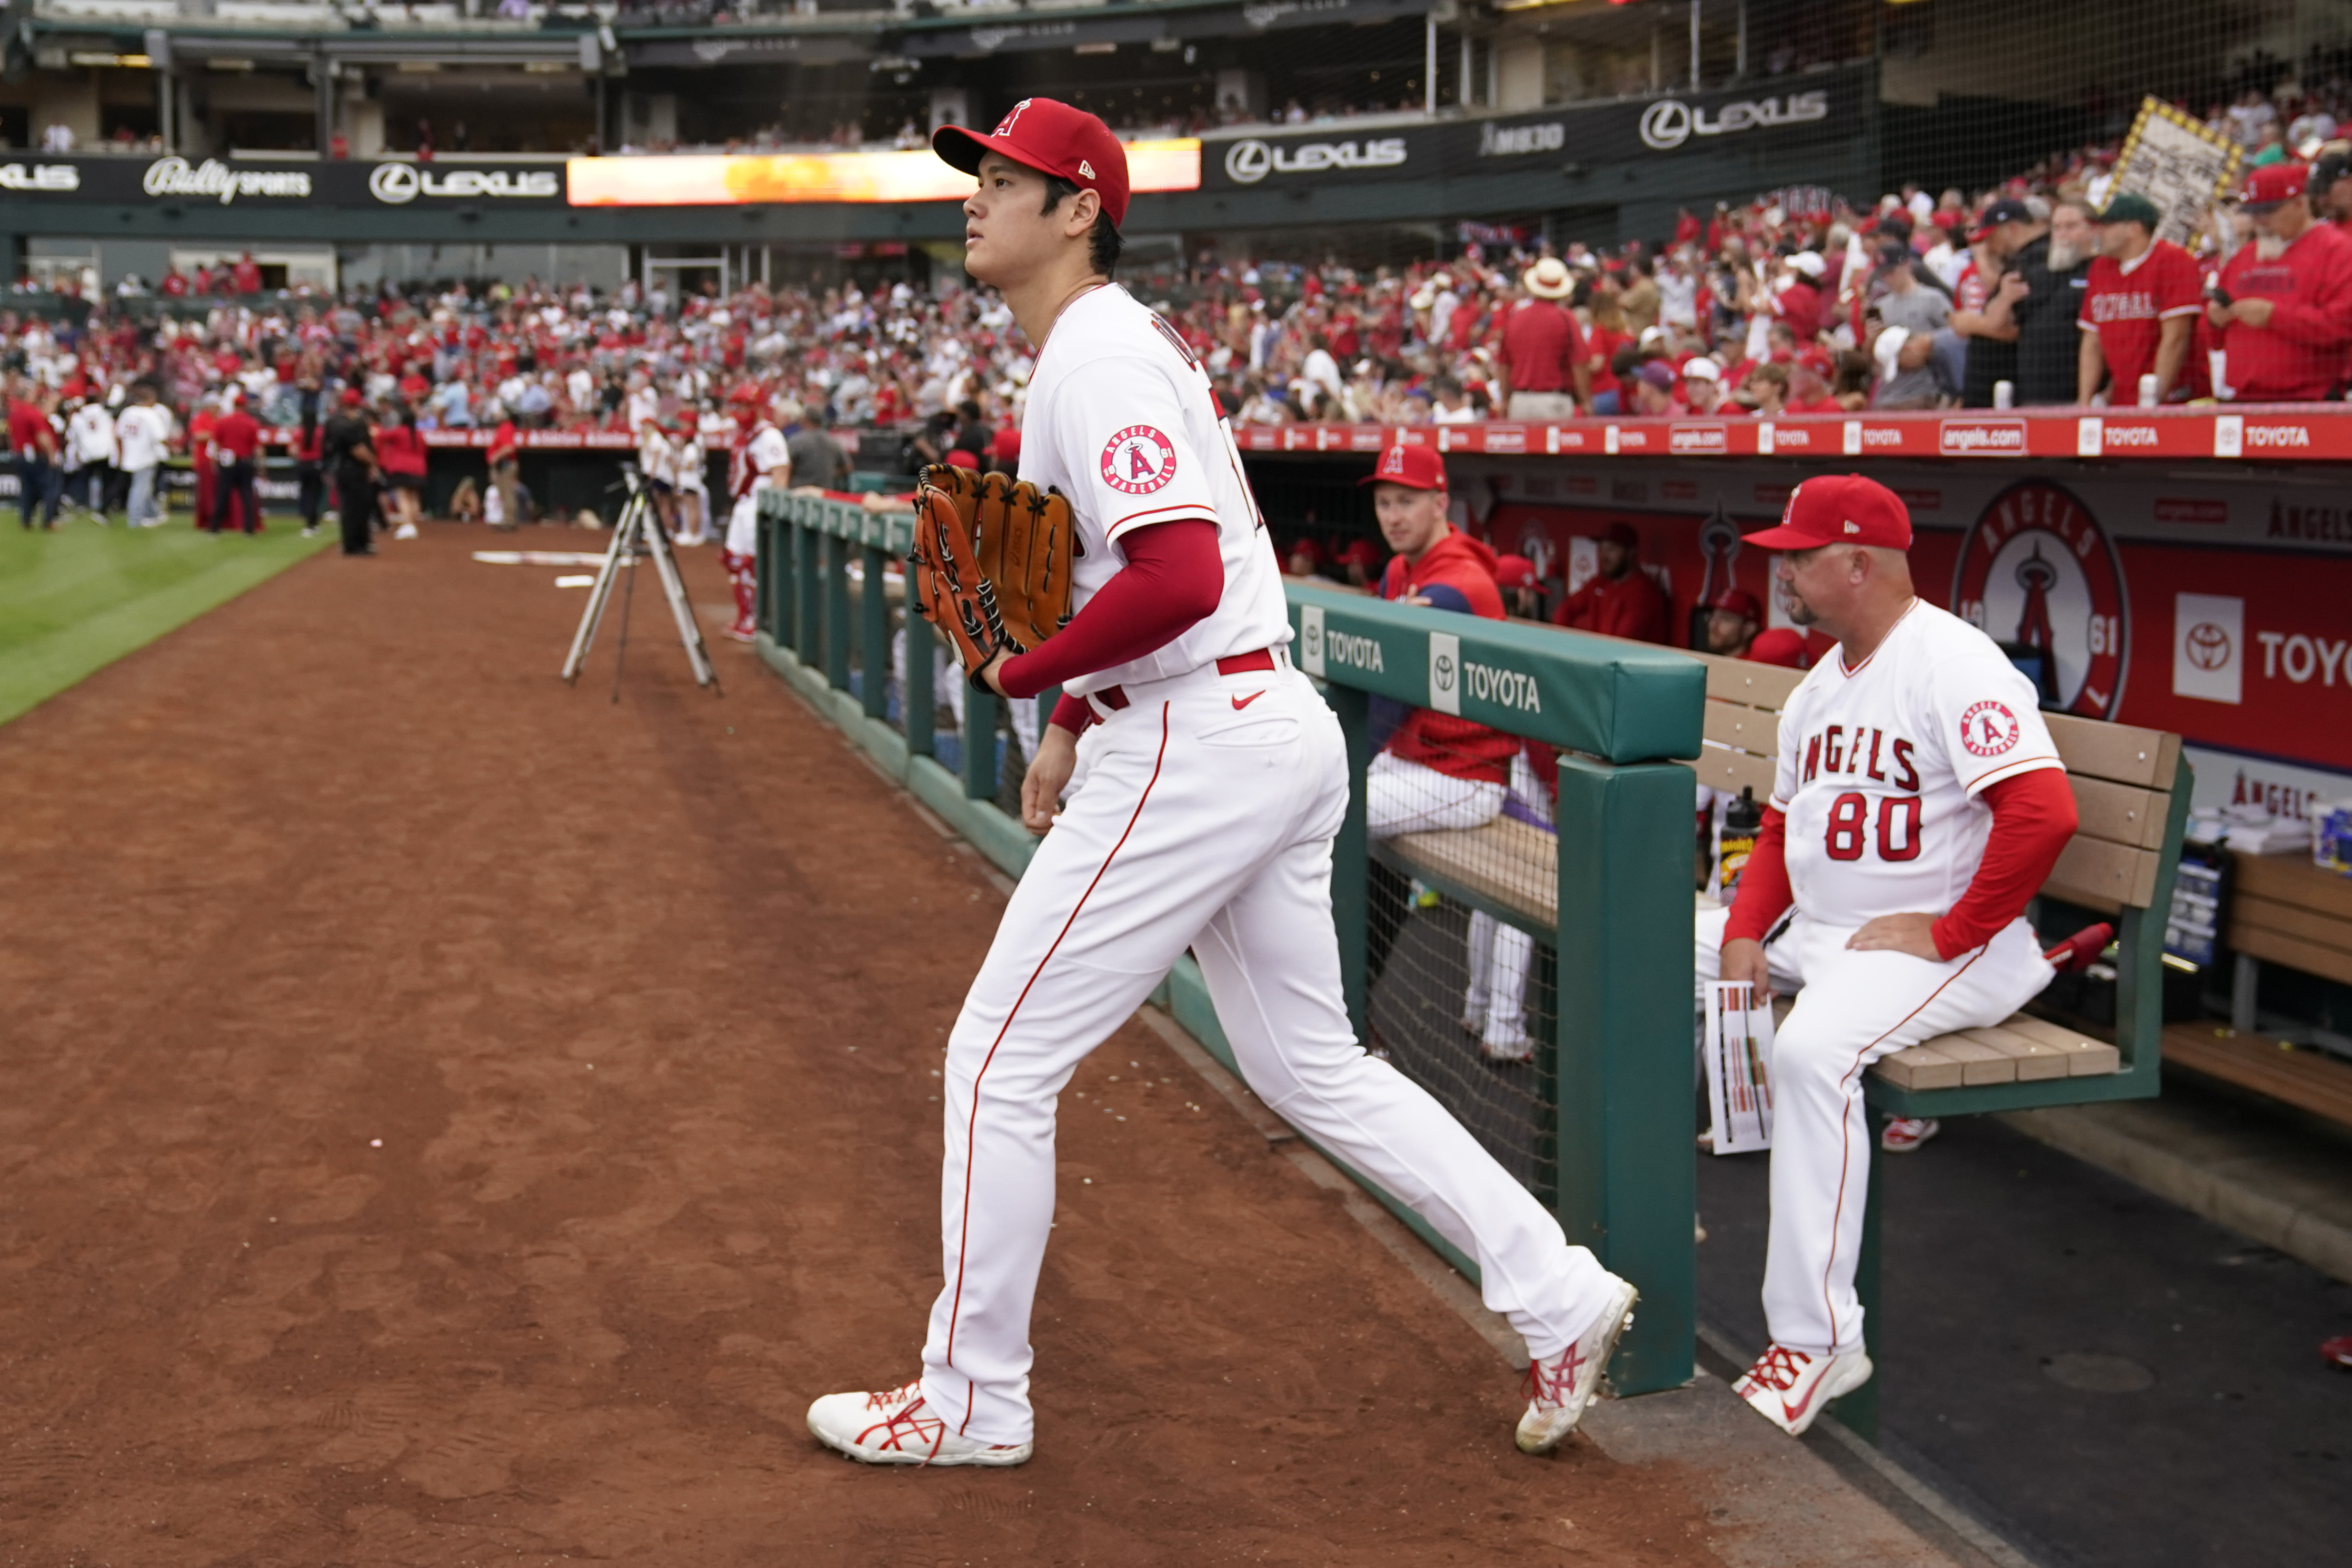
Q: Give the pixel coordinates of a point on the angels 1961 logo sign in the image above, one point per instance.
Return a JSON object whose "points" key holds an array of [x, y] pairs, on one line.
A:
{"points": [[1139, 460], [2038, 576]]}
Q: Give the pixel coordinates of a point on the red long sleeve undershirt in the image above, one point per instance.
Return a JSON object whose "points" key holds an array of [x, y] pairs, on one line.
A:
{"points": [[2033, 818], [1173, 578]]}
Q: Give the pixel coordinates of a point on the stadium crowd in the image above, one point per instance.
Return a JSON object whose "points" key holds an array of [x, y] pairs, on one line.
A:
{"points": [[2051, 289]]}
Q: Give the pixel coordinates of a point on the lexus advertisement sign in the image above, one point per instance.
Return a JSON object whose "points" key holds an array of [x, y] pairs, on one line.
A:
{"points": [[1766, 117], [247, 183]]}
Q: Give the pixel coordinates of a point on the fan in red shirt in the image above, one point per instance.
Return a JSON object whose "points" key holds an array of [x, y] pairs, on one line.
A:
{"points": [[2283, 308], [1543, 351], [2140, 308], [237, 457], [1620, 600]]}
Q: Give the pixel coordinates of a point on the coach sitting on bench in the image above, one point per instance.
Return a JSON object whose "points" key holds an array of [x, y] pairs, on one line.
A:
{"points": [[1918, 803]]}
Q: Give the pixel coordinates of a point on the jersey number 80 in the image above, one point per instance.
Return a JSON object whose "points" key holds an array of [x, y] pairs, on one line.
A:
{"points": [[1898, 827]]}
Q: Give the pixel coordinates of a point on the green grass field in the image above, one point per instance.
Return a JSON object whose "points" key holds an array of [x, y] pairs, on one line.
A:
{"points": [[74, 601]]}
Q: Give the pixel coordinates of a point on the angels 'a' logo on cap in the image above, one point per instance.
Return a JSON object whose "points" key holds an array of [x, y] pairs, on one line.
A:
{"points": [[1393, 461], [1790, 510], [1139, 460], [1004, 126]]}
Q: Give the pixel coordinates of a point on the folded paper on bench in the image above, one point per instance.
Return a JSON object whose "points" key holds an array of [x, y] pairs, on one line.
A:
{"points": [[1736, 1059]]}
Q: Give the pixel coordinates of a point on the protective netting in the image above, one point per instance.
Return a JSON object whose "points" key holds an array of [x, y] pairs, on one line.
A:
{"points": [[1464, 897]]}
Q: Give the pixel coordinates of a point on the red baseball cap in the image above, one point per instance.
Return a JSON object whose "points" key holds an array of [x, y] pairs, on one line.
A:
{"points": [[1514, 571], [2274, 184], [1779, 646], [1414, 467], [1839, 509], [1051, 137], [1738, 601]]}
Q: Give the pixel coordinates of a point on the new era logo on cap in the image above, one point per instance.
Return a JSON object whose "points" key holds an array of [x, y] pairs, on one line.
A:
{"points": [[1851, 527], [1086, 168]]}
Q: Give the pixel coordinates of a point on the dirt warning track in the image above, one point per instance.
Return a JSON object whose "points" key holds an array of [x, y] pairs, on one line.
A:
{"points": [[453, 1118]]}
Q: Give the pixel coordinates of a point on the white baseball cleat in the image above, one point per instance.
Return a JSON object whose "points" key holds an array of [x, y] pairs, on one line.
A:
{"points": [[1560, 1387], [1904, 1134], [1507, 1048], [894, 1427], [1790, 1388]]}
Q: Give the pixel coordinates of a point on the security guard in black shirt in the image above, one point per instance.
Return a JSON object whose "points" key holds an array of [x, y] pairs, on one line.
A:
{"points": [[348, 447]]}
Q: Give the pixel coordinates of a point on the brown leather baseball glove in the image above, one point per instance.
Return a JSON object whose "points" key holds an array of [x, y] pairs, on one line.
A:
{"points": [[991, 566]]}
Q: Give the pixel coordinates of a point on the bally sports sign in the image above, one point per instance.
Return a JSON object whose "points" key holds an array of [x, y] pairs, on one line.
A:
{"points": [[242, 184]]}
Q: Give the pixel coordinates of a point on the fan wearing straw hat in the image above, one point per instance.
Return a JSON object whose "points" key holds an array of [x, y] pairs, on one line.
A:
{"points": [[1543, 350]]}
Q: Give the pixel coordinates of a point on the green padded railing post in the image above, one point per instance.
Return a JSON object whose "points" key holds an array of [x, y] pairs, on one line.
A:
{"points": [[763, 574], [979, 739], [837, 611], [921, 719], [1351, 862], [1628, 1180], [783, 540], [874, 650], [806, 583], [1858, 1411]]}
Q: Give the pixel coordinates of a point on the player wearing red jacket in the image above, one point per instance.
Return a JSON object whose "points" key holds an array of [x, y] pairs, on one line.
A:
{"points": [[2288, 322], [1438, 771], [1620, 600]]}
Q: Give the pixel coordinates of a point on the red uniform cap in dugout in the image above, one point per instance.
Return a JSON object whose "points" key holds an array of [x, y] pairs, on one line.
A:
{"points": [[1414, 467], [1051, 137], [1839, 509], [1738, 601]]}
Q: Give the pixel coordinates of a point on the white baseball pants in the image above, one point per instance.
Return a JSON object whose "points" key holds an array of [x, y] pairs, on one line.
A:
{"points": [[1206, 823], [1851, 1010], [1410, 798]]}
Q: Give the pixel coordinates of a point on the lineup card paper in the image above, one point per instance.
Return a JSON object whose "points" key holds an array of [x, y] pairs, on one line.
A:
{"points": [[1737, 1058]]}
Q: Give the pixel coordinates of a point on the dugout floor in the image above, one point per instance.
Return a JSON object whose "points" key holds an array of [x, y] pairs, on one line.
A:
{"points": [[457, 1118], [2104, 1378]]}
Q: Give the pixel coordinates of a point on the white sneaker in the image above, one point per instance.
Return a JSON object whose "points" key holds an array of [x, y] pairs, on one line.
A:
{"points": [[1560, 1387], [1790, 1388], [405, 531], [309, 533], [894, 1427]]}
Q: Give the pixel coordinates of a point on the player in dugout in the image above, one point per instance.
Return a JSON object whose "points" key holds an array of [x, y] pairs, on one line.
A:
{"points": [[1620, 600], [1919, 802], [1438, 771]]}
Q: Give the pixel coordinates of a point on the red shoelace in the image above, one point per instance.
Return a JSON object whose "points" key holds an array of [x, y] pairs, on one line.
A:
{"points": [[1553, 1381], [1777, 1369]]}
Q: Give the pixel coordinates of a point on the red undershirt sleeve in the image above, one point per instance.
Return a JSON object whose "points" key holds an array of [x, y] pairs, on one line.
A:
{"points": [[2033, 818], [1764, 891], [1072, 714], [1173, 578]]}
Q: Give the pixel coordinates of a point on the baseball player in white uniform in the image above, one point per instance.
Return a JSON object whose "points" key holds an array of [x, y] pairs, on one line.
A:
{"points": [[758, 460], [1919, 803], [690, 477], [1215, 780]]}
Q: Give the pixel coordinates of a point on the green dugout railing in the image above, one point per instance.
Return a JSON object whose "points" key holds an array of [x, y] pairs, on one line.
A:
{"points": [[1616, 1069]]}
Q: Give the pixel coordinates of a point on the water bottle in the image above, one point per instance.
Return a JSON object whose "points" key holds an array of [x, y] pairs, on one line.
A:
{"points": [[2148, 391], [2004, 394]]}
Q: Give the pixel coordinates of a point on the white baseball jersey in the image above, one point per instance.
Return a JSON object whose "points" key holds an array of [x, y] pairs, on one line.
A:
{"points": [[1881, 767], [653, 457], [1201, 817], [692, 464], [758, 464], [1123, 420]]}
